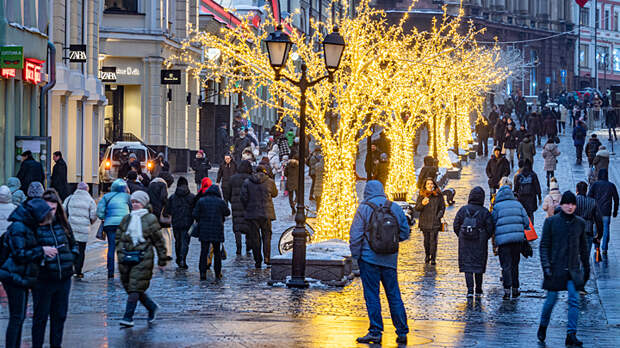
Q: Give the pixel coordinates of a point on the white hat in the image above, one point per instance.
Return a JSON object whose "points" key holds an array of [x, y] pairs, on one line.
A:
{"points": [[140, 196]]}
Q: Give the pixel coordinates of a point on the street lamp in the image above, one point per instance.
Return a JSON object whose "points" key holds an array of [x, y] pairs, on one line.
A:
{"points": [[278, 47]]}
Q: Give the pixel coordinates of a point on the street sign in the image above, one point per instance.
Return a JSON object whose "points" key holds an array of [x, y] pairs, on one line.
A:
{"points": [[170, 77], [11, 57], [107, 74], [548, 80], [77, 53]]}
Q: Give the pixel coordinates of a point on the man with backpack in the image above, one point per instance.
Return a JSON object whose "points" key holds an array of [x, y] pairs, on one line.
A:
{"points": [[527, 189], [377, 228]]}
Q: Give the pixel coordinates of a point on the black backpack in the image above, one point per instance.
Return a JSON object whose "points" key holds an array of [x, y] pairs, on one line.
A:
{"points": [[469, 228], [526, 185], [384, 231]]}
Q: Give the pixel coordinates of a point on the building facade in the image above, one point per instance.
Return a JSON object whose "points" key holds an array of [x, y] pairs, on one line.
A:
{"points": [[135, 39], [541, 30], [78, 100], [605, 62], [23, 35]]}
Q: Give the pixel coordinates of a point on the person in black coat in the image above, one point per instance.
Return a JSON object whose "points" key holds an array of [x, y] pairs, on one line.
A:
{"points": [[592, 148], [210, 213], [241, 143], [59, 176], [257, 193], [606, 195], [201, 166], [497, 168], [511, 141], [499, 132], [565, 260], [527, 189], [371, 162], [535, 127], [158, 197], [611, 121], [50, 295], [227, 169], [482, 132], [222, 141], [431, 206], [240, 224], [29, 171], [429, 170], [473, 247], [550, 126], [180, 207], [133, 184], [20, 271]]}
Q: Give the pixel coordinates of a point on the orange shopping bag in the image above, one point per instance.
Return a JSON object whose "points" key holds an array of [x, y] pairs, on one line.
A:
{"points": [[530, 233]]}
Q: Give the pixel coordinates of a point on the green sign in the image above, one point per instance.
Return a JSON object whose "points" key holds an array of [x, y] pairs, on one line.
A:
{"points": [[11, 57]]}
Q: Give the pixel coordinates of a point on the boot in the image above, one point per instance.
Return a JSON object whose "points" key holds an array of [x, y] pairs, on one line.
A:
{"points": [[130, 308], [238, 249], [506, 294], [572, 341], [370, 338], [401, 339], [515, 292], [203, 276], [542, 333]]}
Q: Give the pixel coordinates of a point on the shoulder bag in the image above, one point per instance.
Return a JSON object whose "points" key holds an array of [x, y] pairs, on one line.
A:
{"points": [[101, 235]]}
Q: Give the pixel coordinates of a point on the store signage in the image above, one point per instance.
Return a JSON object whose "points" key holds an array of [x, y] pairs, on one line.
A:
{"points": [[170, 77], [128, 71], [12, 57], [8, 73], [77, 53], [32, 70], [107, 74]]}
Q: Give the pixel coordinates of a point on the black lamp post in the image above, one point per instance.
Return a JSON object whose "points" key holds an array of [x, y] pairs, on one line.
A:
{"points": [[278, 47]]}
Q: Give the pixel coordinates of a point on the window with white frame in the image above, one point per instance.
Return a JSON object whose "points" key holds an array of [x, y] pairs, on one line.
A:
{"points": [[615, 59], [615, 24], [121, 6], [584, 55], [606, 20]]}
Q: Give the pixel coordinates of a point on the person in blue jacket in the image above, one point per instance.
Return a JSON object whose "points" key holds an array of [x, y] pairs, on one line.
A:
{"points": [[378, 268], [112, 208]]}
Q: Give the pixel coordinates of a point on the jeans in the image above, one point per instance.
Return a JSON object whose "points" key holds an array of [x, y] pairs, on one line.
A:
{"points": [[605, 241], [469, 281], [573, 307], [510, 155], [371, 276], [181, 245], [614, 130], [430, 243], [110, 232], [483, 146], [132, 302], [260, 229], [79, 263], [50, 299], [550, 174], [579, 152], [18, 302], [509, 257], [204, 256]]}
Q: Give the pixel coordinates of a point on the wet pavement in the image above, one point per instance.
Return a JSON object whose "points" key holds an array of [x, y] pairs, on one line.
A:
{"points": [[242, 310]]}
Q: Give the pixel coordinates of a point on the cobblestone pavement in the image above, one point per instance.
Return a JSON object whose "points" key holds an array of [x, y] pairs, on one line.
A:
{"points": [[242, 310]]}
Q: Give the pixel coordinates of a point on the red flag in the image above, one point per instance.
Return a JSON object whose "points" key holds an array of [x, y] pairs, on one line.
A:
{"points": [[581, 3]]}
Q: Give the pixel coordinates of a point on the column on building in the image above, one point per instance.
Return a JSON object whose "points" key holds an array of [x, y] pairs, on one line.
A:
{"points": [[155, 132]]}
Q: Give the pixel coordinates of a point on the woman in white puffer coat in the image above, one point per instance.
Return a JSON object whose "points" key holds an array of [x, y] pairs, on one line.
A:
{"points": [[82, 212], [6, 208]]}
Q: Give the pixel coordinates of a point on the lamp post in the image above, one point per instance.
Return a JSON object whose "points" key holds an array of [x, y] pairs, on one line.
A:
{"points": [[278, 48]]}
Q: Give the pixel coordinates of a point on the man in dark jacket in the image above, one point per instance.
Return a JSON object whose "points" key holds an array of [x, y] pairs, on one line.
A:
{"points": [[222, 141], [499, 132], [527, 189], [371, 162], [179, 207], [592, 148], [201, 166], [565, 261], [227, 169], [240, 224], [520, 108], [535, 127], [257, 193], [550, 126], [59, 175], [210, 213], [482, 132], [579, 139], [133, 183], [429, 170], [378, 268], [497, 168], [241, 143], [473, 245], [606, 196], [511, 141], [611, 121], [29, 171], [158, 197], [526, 149], [587, 209]]}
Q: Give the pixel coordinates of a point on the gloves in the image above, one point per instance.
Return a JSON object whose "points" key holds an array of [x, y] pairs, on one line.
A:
{"points": [[547, 271], [616, 213]]}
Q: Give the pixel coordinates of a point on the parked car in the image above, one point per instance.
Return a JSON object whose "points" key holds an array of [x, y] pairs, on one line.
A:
{"points": [[110, 164]]}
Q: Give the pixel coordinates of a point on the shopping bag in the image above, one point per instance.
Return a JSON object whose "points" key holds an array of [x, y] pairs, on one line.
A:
{"points": [[167, 235], [530, 233]]}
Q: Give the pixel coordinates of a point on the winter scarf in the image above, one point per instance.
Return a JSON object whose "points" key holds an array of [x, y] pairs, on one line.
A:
{"points": [[135, 226]]}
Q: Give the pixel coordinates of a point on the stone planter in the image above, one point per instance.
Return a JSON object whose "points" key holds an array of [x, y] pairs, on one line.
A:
{"points": [[453, 173], [333, 272]]}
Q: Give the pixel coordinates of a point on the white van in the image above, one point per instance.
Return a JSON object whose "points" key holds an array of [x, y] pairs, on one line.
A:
{"points": [[108, 169]]}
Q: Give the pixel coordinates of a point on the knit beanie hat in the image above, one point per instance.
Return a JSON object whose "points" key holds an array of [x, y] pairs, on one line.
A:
{"points": [[140, 196], [553, 185], [5, 194], [568, 198], [83, 186], [35, 190]]}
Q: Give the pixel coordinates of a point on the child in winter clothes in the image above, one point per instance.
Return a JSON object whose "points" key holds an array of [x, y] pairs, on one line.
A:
{"points": [[6, 208], [81, 212], [18, 196], [552, 200]]}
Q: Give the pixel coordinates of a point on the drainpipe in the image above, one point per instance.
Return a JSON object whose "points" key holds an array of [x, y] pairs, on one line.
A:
{"points": [[51, 63]]}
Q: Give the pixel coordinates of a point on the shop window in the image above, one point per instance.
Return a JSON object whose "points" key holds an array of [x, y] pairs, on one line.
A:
{"points": [[585, 16], [121, 6], [615, 21], [616, 59], [584, 56], [606, 19]]}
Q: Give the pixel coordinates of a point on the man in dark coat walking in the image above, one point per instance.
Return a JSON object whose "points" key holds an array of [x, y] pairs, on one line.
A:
{"points": [[527, 189], [227, 169], [565, 262], [592, 148], [201, 166], [611, 121], [29, 171], [210, 213], [473, 247], [180, 207], [240, 224], [222, 142], [429, 170], [587, 209], [579, 139], [482, 132], [257, 193], [497, 168], [606, 196], [59, 175], [241, 143]]}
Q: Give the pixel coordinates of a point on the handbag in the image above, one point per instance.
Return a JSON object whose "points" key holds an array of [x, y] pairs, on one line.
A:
{"points": [[530, 233], [526, 249], [165, 219], [131, 258], [167, 235], [101, 235], [444, 226]]}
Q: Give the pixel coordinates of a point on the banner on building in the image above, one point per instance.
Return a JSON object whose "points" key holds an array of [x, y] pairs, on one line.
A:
{"points": [[11, 57], [77, 53], [170, 77], [107, 74]]}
